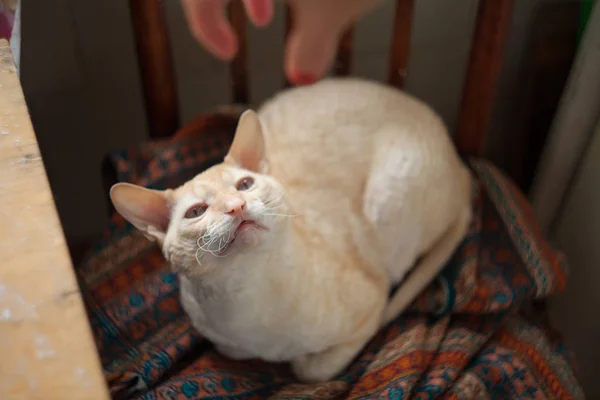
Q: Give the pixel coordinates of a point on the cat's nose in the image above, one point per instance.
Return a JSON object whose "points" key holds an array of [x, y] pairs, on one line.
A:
{"points": [[236, 208]]}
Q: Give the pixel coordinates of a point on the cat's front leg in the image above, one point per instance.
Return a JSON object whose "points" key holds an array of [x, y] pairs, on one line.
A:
{"points": [[324, 366]]}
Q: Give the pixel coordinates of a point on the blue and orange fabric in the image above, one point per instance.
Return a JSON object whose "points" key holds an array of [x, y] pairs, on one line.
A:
{"points": [[474, 333]]}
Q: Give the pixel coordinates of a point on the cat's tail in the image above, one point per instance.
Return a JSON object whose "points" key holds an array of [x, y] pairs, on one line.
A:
{"points": [[429, 266]]}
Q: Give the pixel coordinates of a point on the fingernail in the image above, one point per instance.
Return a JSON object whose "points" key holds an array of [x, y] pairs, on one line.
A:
{"points": [[304, 78]]}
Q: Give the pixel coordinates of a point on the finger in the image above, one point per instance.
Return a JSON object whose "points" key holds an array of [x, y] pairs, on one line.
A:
{"points": [[259, 11], [308, 55], [312, 43], [210, 27], [318, 26]]}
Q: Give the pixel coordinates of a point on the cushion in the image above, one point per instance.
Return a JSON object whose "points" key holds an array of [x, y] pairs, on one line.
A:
{"points": [[476, 332]]}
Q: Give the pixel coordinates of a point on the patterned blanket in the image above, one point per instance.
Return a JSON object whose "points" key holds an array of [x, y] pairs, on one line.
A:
{"points": [[476, 332]]}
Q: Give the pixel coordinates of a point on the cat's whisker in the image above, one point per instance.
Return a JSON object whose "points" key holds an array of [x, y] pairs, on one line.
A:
{"points": [[199, 239], [217, 252], [215, 239], [206, 240], [222, 245], [206, 246], [273, 204], [282, 215], [270, 209], [269, 201], [206, 249], [198, 256]]}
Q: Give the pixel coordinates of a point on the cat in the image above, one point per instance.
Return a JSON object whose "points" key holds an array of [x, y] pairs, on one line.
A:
{"points": [[329, 194]]}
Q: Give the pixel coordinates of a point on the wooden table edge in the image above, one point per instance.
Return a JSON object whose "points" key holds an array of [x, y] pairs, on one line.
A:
{"points": [[46, 342]]}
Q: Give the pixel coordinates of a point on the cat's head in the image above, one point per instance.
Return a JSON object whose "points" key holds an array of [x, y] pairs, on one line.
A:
{"points": [[232, 209]]}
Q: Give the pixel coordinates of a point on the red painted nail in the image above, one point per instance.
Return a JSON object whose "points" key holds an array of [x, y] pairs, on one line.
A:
{"points": [[304, 79]]}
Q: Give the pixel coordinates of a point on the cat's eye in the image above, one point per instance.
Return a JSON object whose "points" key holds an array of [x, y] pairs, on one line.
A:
{"points": [[244, 183], [196, 211]]}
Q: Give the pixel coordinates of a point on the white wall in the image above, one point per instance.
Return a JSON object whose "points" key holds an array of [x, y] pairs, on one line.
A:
{"points": [[577, 311], [566, 201]]}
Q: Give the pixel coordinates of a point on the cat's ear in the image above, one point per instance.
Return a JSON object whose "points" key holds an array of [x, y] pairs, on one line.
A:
{"points": [[148, 210], [248, 148]]}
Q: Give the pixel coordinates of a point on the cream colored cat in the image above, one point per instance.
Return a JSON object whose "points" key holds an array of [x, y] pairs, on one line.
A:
{"points": [[288, 249]]}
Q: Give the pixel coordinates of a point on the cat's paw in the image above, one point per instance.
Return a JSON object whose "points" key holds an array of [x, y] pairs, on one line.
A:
{"points": [[314, 368]]}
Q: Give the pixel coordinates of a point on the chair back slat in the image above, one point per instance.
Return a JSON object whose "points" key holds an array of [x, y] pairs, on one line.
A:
{"points": [[343, 61], [156, 67], [288, 27], [483, 71], [400, 46], [239, 70]]}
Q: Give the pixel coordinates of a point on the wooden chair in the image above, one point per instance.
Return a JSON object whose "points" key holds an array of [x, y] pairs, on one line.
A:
{"points": [[485, 60]]}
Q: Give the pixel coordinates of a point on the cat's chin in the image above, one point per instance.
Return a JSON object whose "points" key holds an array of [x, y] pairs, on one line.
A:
{"points": [[246, 234]]}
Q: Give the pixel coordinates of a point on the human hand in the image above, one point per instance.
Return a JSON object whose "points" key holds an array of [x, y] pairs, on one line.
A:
{"points": [[311, 46]]}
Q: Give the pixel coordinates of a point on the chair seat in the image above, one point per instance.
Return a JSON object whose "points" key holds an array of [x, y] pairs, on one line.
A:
{"points": [[471, 334]]}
